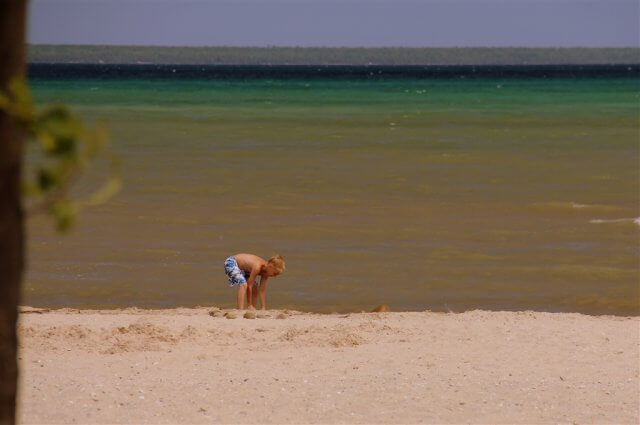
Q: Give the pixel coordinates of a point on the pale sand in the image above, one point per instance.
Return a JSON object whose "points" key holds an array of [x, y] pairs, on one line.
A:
{"points": [[185, 366]]}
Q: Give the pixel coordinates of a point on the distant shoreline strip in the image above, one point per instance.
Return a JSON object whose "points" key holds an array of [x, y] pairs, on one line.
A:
{"points": [[150, 71]]}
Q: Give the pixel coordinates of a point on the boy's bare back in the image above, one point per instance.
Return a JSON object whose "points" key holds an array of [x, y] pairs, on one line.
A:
{"points": [[250, 262]]}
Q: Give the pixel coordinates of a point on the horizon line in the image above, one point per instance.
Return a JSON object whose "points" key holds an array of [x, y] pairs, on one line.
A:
{"points": [[330, 47]]}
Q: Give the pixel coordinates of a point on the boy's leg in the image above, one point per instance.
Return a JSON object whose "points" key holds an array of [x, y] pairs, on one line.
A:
{"points": [[242, 290]]}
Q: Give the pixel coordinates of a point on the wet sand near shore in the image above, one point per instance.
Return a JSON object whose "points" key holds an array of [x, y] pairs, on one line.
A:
{"points": [[203, 365]]}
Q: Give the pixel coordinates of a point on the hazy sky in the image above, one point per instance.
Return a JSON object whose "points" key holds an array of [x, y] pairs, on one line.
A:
{"points": [[438, 23]]}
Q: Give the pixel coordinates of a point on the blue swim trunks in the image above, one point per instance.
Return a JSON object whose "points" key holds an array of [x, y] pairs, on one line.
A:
{"points": [[236, 275]]}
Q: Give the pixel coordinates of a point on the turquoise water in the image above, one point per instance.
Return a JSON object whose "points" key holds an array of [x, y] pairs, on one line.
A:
{"points": [[440, 194]]}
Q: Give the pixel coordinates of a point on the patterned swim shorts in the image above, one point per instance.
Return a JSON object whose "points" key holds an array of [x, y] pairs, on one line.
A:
{"points": [[234, 273]]}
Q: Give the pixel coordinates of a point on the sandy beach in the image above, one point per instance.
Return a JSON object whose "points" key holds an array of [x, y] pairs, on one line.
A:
{"points": [[188, 366]]}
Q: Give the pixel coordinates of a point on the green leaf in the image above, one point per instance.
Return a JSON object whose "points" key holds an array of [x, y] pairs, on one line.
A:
{"points": [[47, 179], [64, 213], [62, 131], [22, 106], [47, 141], [31, 189]]}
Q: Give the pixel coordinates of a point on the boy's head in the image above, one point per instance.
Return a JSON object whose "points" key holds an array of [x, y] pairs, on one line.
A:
{"points": [[275, 265]]}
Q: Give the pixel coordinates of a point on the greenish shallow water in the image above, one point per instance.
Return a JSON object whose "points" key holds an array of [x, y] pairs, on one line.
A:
{"points": [[422, 194]]}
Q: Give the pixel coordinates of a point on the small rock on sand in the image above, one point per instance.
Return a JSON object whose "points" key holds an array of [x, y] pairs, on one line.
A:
{"points": [[249, 315], [230, 315], [281, 316], [216, 313]]}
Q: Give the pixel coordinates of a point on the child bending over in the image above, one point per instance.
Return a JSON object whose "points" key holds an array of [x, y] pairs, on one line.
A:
{"points": [[243, 271]]}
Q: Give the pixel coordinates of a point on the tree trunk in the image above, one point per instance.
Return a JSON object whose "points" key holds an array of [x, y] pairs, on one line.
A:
{"points": [[12, 63]]}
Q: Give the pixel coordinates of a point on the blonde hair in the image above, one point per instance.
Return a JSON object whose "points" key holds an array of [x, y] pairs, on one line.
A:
{"points": [[277, 261]]}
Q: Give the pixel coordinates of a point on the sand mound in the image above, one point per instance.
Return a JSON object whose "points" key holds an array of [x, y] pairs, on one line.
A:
{"points": [[321, 336], [141, 336], [138, 336]]}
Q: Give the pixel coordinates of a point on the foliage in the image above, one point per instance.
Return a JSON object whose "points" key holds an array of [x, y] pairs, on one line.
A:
{"points": [[65, 149]]}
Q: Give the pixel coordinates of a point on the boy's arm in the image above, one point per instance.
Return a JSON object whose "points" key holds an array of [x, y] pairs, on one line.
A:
{"points": [[262, 292], [250, 281]]}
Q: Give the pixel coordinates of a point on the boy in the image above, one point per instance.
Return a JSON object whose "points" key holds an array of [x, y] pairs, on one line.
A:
{"points": [[243, 271]]}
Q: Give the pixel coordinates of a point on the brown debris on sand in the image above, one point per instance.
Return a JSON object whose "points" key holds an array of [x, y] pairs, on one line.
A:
{"points": [[25, 309], [382, 308]]}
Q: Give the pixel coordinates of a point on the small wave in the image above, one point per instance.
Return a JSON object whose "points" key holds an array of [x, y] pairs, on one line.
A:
{"points": [[635, 221], [575, 206]]}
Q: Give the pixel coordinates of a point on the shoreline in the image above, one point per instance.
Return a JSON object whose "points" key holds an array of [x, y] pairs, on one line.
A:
{"points": [[186, 366], [301, 310]]}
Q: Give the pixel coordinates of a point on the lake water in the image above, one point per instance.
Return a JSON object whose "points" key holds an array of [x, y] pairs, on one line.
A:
{"points": [[496, 192]]}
